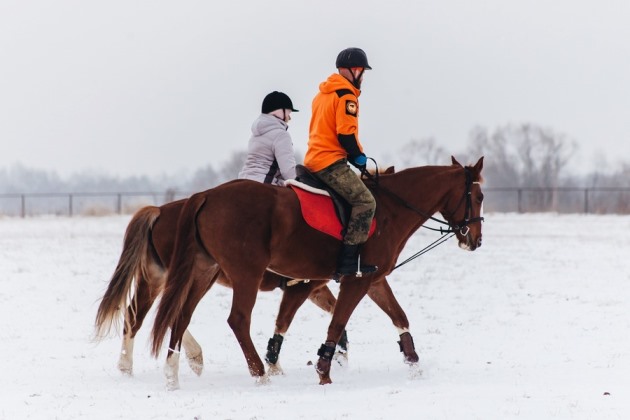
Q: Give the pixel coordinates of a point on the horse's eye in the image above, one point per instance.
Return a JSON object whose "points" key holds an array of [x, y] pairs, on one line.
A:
{"points": [[480, 198]]}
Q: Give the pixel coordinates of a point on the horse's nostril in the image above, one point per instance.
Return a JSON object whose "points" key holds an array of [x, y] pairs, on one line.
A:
{"points": [[478, 242]]}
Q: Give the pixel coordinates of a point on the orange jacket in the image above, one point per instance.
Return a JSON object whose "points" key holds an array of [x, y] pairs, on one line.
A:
{"points": [[334, 129]]}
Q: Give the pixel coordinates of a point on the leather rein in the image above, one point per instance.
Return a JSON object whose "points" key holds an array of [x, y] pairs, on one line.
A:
{"points": [[462, 226]]}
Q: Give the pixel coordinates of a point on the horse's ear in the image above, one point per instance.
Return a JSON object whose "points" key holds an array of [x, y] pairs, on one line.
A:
{"points": [[479, 165], [455, 162], [390, 170]]}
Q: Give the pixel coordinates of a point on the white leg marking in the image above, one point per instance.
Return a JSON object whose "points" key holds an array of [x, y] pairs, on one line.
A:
{"points": [[125, 362], [171, 369], [194, 355]]}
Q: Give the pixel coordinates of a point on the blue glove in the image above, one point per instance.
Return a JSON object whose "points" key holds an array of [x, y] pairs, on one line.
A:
{"points": [[360, 160]]}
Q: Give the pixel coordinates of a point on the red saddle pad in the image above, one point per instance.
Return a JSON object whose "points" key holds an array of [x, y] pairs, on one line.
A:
{"points": [[319, 213]]}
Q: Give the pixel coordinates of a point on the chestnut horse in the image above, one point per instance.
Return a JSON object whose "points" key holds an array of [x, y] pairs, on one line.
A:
{"points": [[248, 228], [140, 275]]}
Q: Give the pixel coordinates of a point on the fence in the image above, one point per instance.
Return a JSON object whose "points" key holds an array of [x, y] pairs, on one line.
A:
{"points": [[82, 203], [601, 200], [611, 200]]}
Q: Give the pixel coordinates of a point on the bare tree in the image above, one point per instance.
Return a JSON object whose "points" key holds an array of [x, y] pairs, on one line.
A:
{"points": [[527, 156], [203, 179], [232, 167], [425, 151]]}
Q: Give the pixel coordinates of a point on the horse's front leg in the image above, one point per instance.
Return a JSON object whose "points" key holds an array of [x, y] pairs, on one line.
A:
{"points": [[382, 295], [351, 292], [292, 299], [325, 300]]}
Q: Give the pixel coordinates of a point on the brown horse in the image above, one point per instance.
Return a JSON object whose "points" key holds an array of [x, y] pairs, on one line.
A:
{"points": [[250, 228], [141, 273]]}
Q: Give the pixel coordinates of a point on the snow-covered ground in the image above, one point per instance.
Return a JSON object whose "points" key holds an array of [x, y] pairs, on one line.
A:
{"points": [[533, 325]]}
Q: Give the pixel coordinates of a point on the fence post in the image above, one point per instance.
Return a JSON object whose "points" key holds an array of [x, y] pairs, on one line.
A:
{"points": [[520, 196], [585, 200], [23, 209], [119, 204], [70, 205]]}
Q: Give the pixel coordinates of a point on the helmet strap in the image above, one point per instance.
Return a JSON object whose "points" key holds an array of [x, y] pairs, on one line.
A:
{"points": [[356, 80]]}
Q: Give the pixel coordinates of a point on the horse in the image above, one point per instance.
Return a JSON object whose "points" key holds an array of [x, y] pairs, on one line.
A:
{"points": [[249, 228], [139, 278]]}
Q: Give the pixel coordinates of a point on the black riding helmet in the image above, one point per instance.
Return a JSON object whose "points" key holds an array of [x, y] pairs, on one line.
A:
{"points": [[277, 100], [352, 57]]}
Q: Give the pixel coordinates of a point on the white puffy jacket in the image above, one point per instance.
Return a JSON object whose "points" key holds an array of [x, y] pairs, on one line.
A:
{"points": [[270, 156]]}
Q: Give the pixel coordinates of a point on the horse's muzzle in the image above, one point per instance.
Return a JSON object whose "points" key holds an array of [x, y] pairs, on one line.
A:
{"points": [[470, 244]]}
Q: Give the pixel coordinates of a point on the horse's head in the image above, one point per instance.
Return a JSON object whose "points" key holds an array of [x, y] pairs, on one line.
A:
{"points": [[467, 213]]}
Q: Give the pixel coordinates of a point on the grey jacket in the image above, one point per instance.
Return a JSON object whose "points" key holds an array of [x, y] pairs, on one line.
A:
{"points": [[270, 157]]}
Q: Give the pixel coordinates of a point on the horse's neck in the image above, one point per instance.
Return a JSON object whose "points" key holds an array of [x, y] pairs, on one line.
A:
{"points": [[424, 190]]}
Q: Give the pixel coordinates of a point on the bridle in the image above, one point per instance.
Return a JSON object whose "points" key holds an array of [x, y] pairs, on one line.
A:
{"points": [[462, 227]]}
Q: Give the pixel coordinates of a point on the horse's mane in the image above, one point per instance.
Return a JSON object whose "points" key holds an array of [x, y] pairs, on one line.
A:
{"points": [[476, 174]]}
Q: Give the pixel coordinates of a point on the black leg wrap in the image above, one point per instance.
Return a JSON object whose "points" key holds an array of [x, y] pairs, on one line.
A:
{"points": [[326, 352], [408, 349], [343, 341], [273, 349], [408, 340]]}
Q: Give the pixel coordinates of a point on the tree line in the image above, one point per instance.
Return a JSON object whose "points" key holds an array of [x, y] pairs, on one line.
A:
{"points": [[525, 156]]}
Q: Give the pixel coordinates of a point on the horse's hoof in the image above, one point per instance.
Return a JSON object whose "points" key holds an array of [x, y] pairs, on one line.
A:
{"points": [[172, 385], [262, 380], [125, 368], [274, 369], [411, 359], [408, 349], [324, 380], [415, 371], [196, 363], [323, 370]]}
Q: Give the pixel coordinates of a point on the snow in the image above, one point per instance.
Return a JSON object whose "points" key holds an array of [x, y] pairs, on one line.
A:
{"points": [[533, 325]]}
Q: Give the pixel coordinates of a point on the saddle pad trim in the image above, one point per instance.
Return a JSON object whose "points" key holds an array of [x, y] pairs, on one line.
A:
{"points": [[319, 213]]}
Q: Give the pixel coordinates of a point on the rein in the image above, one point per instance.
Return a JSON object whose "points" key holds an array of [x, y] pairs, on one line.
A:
{"points": [[462, 226]]}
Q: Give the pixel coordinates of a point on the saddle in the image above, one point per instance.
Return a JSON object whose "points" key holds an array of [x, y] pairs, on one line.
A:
{"points": [[322, 208]]}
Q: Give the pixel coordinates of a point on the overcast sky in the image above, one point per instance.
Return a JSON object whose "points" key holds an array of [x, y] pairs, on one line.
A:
{"points": [[145, 87]]}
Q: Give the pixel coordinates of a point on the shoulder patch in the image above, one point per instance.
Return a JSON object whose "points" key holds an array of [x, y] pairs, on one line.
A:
{"points": [[342, 92], [351, 108]]}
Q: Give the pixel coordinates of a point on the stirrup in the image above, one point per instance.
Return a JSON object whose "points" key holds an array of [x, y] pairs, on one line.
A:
{"points": [[364, 268]]}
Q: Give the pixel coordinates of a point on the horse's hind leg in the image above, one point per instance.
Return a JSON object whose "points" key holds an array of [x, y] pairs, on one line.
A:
{"points": [[382, 295], [243, 300], [202, 282], [194, 355], [134, 317]]}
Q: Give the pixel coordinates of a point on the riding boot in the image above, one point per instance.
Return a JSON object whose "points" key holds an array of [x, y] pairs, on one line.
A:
{"points": [[348, 262]]}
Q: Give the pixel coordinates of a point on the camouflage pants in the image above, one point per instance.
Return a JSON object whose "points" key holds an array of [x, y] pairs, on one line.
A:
{"points": [[347, 184]]}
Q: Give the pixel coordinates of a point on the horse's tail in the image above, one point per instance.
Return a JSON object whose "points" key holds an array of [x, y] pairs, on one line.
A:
{"points": [[179, 280], [131, 265]]}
